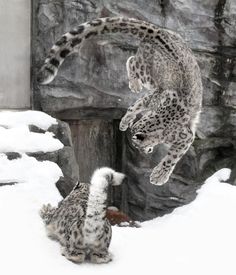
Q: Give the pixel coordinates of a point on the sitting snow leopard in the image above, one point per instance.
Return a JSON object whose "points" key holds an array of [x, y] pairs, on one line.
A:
{"points": [[79, 221], [166, 67]]}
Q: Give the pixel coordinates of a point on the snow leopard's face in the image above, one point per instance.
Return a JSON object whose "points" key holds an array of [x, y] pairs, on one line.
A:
{"points": [[144, 142], [147, 133]]}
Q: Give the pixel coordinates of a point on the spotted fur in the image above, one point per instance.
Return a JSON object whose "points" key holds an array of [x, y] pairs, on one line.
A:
{"points": [[79, 221], [166, 67]]}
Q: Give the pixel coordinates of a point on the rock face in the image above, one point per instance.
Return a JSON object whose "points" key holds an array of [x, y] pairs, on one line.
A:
{"points": [[91, 93], [65, 157]]}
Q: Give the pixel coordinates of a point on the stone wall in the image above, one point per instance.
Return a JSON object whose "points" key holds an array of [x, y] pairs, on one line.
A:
{"points": [[91, 93]]}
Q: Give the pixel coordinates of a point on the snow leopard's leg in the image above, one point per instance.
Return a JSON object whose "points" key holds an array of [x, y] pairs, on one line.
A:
{"points": [[135, 83], [99, 251], [179, 144], [139, 106], [150, 101], [74, 248]]}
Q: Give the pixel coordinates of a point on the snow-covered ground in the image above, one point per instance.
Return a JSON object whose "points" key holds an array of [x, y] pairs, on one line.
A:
{"points": [[199, 238]]}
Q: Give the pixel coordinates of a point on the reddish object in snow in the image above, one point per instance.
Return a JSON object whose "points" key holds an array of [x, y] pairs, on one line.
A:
{"points": [[117, 217]]}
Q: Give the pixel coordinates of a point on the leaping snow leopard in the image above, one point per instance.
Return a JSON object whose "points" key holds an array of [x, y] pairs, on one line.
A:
{"points": [[166, 67], [79, 221]]}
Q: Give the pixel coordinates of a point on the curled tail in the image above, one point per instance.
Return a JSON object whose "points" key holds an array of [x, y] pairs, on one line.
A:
{"points": [[46, 212], [71, 41]]}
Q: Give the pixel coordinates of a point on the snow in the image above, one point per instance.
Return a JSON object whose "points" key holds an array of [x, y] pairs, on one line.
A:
{"points": [[16, 137], [11, 119], [198, 238]]}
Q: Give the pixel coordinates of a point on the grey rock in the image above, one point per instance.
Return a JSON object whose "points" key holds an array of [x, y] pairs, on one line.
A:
{"points": [[65, 185], [68, 164], [91, 93], [232, 178], [229, 97], [8, 183], [42, 156], [36, 129], [62, 132], [13, 155], [211, 120], [215, 153]]}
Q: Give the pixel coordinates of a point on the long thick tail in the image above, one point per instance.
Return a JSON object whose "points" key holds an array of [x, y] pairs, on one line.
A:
{"points": [[96, 207], [46, 213], [71, 41]]}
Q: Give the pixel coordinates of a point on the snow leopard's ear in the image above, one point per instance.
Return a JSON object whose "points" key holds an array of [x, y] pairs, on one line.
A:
{"points": [[77, 185]]}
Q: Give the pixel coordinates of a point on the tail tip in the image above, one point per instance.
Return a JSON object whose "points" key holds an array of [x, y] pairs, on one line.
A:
{"points": [[118, 178], [45, 75], [113, 178]]}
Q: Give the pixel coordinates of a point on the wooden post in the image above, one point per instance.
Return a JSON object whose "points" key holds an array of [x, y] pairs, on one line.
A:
{"points": [[94, 145]]}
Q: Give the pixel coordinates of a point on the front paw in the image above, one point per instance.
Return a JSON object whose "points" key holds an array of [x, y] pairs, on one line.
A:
{"points": [[159, 175], [123, 126], [126, 122], [76, 258], [100, 258]]}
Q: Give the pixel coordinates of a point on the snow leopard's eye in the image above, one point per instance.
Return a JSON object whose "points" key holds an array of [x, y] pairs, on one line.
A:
{"points": [[139, 136], [149, 150]]}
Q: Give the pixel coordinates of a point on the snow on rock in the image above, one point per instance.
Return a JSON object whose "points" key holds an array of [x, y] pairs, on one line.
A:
{"points": [[27, 169], [198, 238], [42, 136], [16, 137], [12, 119], [20, 139]]}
